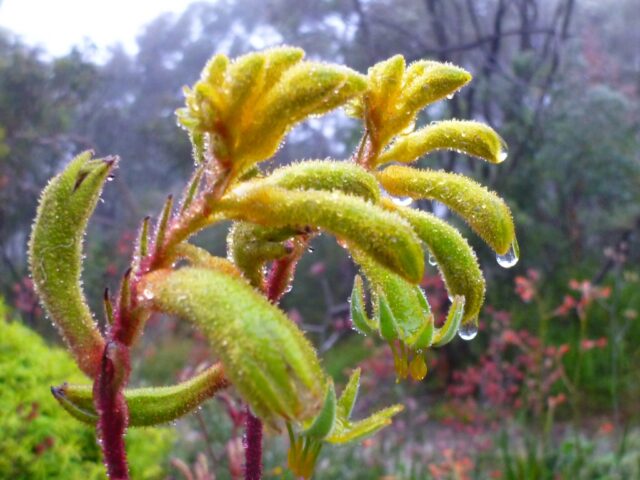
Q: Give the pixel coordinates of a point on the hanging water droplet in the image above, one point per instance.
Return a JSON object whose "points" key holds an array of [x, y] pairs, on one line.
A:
{"points": [[432, 260], [468, 331], [510, 258], [402, 201], [110, 178], [311, 249], [503, 152], [450, 96]]}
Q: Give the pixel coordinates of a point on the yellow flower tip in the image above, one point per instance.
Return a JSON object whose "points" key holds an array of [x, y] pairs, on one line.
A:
{"points": [[418, 368], [408, 362]]}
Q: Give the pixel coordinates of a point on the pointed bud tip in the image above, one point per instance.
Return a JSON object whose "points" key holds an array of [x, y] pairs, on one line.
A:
{"points": [[111, 160]]}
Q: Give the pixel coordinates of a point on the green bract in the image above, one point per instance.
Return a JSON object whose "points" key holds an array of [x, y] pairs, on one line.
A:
{"points": [[250, 246], [55, 254], [400, 307]]}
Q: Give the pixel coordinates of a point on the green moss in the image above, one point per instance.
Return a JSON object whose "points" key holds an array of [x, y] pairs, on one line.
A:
{"points": [[39, 439]]}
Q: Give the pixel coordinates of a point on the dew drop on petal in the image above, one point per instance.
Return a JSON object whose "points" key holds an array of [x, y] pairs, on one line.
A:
{"points": [[432, 260], [468, 331], [510, 258], [147, 294], [503, 152]]}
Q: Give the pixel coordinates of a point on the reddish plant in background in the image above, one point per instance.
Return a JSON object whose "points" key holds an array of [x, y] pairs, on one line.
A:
{"points": [[25, 299], [587, 294], [512, 376]]}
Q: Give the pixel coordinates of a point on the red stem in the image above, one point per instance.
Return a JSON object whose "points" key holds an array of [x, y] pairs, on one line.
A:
{"points": [[279, 277], [253, 447], [112, 408], [275, 287]]}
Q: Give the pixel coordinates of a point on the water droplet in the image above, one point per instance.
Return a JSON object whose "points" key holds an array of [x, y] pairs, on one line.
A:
{"points": [[450, 96], [502, 156], [311, 249], [510, 258], [468, 331], [432, 260], [147, 294], [110, 178], [402, 201]]}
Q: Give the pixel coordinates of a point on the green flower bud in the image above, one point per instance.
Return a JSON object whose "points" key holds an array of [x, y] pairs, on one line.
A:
{"points": [[55, 254], [265, 356], [147, 406]]}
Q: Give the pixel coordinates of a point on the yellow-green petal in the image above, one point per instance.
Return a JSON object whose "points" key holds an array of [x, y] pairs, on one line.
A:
{"points": [[454, 256], [384, 236], [486, 213], [472, 138]]}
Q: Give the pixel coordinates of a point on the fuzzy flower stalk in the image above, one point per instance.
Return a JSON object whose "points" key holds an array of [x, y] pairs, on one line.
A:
{"points": [[237, 115]]}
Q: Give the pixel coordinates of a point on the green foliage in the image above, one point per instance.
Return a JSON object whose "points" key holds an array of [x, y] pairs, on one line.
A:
{"points": [[39, 440], [575, 457]]}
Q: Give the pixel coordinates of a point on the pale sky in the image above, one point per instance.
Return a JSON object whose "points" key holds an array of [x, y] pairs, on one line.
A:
{"points": [[57, 25]]}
